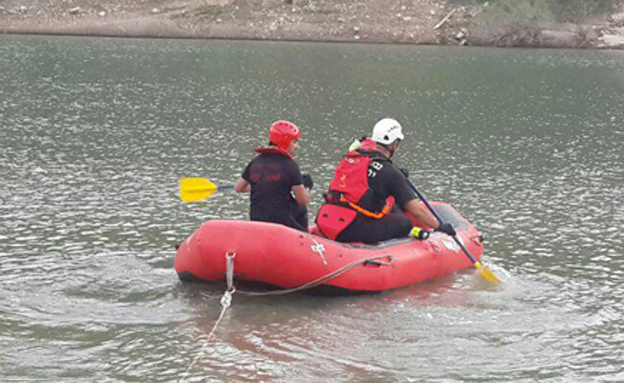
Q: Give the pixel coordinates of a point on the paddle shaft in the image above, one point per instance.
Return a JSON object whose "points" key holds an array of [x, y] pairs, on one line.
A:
{"points": [[439, 218]]}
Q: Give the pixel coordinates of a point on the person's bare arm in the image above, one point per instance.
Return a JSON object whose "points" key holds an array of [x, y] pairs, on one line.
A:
{"points": [[421, 214], [242, 186], [302, 195]]}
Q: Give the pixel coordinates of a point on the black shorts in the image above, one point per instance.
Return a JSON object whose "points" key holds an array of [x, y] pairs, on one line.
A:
{"points": [[297, 218], [372, 231]]}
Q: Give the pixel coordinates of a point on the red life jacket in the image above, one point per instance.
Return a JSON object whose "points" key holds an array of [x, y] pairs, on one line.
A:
{"points": [[346, 189], [273, 149], [351, 175]]}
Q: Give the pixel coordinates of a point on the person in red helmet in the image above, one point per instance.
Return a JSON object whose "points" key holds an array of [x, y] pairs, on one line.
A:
{"points": [[279, 191]]}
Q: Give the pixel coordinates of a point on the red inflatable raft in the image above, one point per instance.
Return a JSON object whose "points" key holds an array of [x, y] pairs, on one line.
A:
{"points": [[286, 258]]}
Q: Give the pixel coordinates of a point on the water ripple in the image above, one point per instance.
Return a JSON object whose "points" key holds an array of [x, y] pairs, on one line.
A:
{"points": [[526, 144]]}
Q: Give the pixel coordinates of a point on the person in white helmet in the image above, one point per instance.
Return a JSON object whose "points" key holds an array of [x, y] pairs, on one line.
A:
{"points": [[366, 189]]}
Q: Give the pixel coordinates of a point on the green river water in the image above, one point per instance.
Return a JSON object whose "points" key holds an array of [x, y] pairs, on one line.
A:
{"points": [[96, 133]]}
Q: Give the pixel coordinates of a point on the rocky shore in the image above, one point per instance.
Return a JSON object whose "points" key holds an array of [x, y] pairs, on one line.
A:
{"points": [[434, 22]]}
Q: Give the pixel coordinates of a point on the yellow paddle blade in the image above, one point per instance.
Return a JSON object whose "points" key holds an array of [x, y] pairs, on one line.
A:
{"points": [[487, 273], [196, 189], [195, 196]]}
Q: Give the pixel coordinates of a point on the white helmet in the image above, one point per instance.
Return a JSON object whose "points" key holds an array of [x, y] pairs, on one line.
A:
{"points": [[386, 131]]}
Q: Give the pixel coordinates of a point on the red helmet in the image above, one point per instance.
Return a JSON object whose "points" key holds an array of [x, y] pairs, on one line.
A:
{"points": [[282, 133]]}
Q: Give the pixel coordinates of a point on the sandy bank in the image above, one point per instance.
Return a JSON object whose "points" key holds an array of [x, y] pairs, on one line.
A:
{"points": [[371, 21]]}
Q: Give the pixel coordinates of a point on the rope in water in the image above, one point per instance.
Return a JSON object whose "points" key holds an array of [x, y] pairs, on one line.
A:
{"points": [[226, 299], [317, 282], [226, 302]]}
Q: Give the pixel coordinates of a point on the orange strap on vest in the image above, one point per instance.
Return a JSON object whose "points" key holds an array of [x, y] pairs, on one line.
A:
{"points": [[386, 209]]}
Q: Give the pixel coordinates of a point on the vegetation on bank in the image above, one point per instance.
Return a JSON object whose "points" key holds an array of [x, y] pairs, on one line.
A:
{"points": [[522, 22], [573, 11]]}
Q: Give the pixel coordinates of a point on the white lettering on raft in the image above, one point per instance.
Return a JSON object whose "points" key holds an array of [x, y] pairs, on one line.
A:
{"points": [[319, 248]]}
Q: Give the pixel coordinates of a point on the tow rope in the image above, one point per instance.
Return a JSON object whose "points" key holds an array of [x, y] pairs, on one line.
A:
{"points": [[226, 299], [226, 302]]}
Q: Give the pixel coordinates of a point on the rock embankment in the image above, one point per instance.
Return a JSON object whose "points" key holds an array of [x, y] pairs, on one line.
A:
{"points": [[374, 21], [613, 34]]}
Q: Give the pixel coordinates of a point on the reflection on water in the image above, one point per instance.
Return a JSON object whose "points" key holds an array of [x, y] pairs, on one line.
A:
{"points": [[95, 134]]}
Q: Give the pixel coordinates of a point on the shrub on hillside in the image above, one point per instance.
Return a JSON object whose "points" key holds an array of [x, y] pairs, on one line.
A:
{"points": [[519, 22], [556, 10]]}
